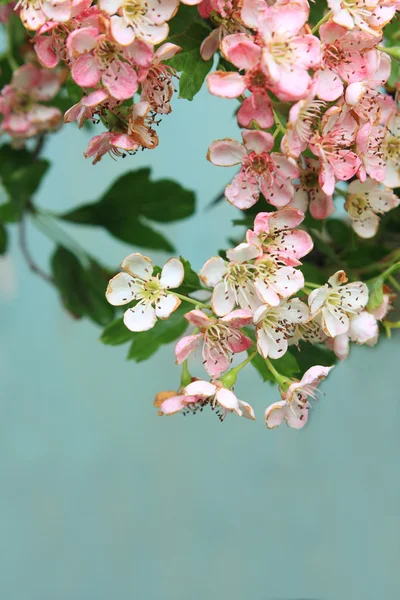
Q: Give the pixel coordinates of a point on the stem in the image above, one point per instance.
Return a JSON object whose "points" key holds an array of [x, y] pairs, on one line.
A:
{"points": [[311, 285], [26, 254], [389, 325], [279, 123], [47, 225], [394, 283], [390, 270], [245, 362], [11, 60], [229, 379], [191, 300], [281, 380], [321, 22], [186, 377]]}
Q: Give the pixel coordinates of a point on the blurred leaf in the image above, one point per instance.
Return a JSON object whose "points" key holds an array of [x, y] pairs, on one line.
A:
{"points": [[312, 274], [191, 282], [317, 10], [188, 62], [5, 72], [339, 232], [20, 176], [183, 19], [365, 255], [3, 239], [132, 199], [375, 287], [146, 343], [116, 333], [82, 290], [310, 355], [17, 36], [287, 365]]}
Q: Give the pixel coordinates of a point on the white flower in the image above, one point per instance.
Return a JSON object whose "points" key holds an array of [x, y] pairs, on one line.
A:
{"points": [[336, 303], [137, 282], [364, 202], [220, 399], [391, 152], [275, 325]]}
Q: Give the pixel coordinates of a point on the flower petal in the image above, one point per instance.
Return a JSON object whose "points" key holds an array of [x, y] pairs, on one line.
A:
{"points": [[274, 414], [213, 271], [172, 273], [201, 388], [186, 346], [121, 289], [226, 153], [141, 317], [223, 299], [138, 265], [166, 305]]}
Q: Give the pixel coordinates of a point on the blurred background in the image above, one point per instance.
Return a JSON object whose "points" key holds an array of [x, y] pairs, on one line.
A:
{"points": [[101, 498]]}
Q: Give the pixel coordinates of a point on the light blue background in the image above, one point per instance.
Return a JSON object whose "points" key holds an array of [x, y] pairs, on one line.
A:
{"points": [[101, 499]]}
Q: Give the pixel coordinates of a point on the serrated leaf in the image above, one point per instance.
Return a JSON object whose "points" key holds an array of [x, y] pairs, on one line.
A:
{"points": [[146, 343], [188, 62], [82, 290], [375, 287], [3, 239], [131, 201], [116, 333]]}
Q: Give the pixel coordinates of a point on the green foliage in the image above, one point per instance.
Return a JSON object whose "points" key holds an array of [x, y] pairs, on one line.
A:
{"points": [[189, 62], [82, 289], [375, 287], [339, 232], [191, 282], [287, 365], [310, 355], [183, 19], [3, 239], [145, 343], [132, 200], [20, 177]]}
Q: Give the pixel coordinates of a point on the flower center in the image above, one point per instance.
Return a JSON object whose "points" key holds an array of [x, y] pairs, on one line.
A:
{"points": [[239, 275], [281, 51], [391, 148], [23, 102], [133, 10], [256, 80], [257, 163], [151, 290]]}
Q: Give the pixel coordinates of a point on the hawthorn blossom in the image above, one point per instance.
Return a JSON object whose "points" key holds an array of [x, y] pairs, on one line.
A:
{"points": [[365, 201], [369, 16], [385, 306], [363, 329], [391, 151], [304, 117], [270, 174], [308, 193], [114, 144], [156, 79], [275, 325], [176, 403], [88, 107], [24, 115], [333, 146], [309, 331], [142, 19], [288, 53], [151, 292], [249, 285], [348, 56], [337, 301], [275, 234], [221, 399], [140, 125], [220, 339], [294, 405], [245, 54], [369, 140], [35, 13]]}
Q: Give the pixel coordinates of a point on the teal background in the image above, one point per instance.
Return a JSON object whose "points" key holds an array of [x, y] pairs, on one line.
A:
{"points": [[101, 499]]}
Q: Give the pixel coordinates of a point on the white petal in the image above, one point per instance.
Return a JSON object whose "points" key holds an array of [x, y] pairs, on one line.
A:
{"points": [[213, 271], [226, 153], [166, 305], [266, 293], [172, 273], [223, 299], [274, 414], [334, 324], [227, 399], [262, 342], [140, 318], [246, 410], [138, 266], [201, 388], [242, 253], [121, 289], [110, 6]]}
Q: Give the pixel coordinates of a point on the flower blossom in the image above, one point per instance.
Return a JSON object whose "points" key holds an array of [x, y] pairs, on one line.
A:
{"points": [[294, 405], [36, 13], [308, 193], [20, 102], [88, 106], [365, 201], [221, 399], [368, 16], [275, 325], [363, 329], [249, 285], [270, 174], [142, 19], [337, 302], [108, 142], [151, 292], [220, 338], [391, 151], [156, 79]]}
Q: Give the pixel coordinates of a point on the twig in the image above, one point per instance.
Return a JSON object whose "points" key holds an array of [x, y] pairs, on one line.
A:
{"points": [[26, 254]]}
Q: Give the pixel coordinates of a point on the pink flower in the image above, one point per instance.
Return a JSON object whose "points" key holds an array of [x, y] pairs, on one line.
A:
{"points": [[222, 400], [391, 152], [295, 404], [275, 326], [88, 107], [363, 329], [142, 19], [336, 303], [20, 102], [181, 403], [304, 117], [220, 338], [156, 79], [35, 14], [245, 54], [117, 144], [369, 141], [348, 56], [137, 282], [309, 193], [95, 57], [246, 284], [275, 234], [370, 17], [365, 201], [333, 148], [288, 54], [269, 174]]}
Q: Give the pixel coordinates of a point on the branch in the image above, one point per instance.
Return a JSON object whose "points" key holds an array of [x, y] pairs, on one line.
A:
{"points": [[26, 254]]}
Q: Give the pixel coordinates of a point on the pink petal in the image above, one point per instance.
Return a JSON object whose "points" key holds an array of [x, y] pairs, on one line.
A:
{"points": [[241, 51], [82, 41], [226, 84], [121, 32], [242, 193], [85, 71], [329, 85], [198, 318], [226, 153], [274, 414], [45, 52], [186, 346], [257, 108], [258, 141]]}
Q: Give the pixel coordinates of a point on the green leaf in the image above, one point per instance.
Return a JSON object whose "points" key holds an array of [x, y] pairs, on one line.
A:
{"points": [[3, 239], [375, 287], [146, 343], [132, 200], [82, 290], [287, 365], [188, 62], [339, 232], [310, 355], [116, 333], [191, 281], [185, 16]]}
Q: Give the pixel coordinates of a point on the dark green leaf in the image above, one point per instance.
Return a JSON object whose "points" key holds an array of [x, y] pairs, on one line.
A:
{"points": [[183, 19], [312, 274], [130, 202], [3, 239], [146, 343], [375, 287], [287, 365], [310, 355], [188, 62], [82, 289], [116, 333], [339, 232], [191, 282]]}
